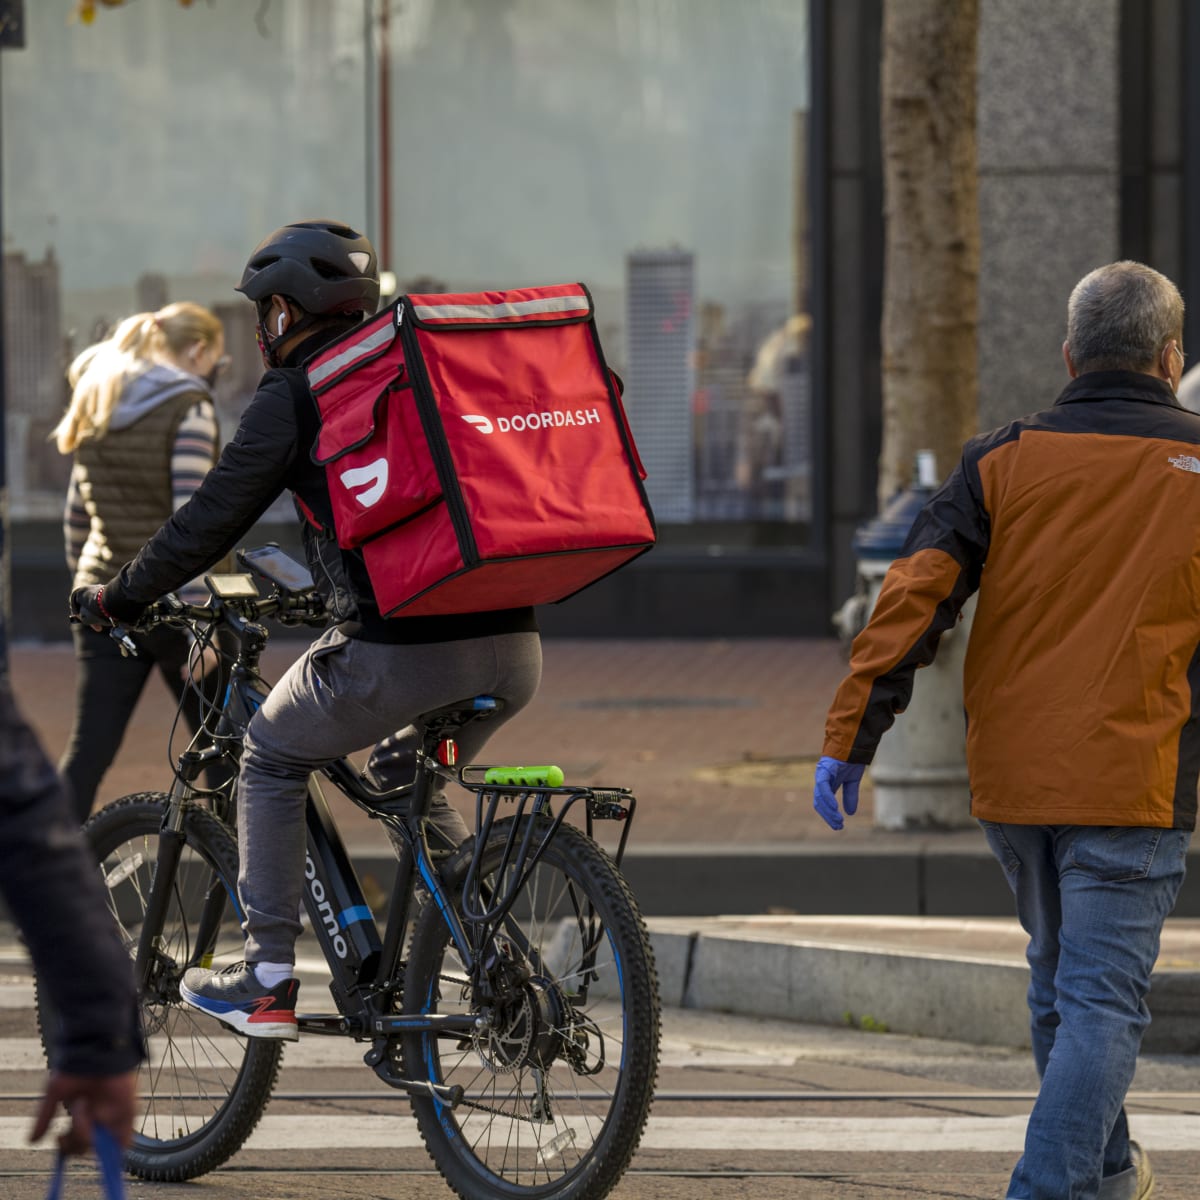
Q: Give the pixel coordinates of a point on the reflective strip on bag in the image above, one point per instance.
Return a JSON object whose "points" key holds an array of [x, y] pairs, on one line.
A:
{"points": [[501, 312], [319, 372]]}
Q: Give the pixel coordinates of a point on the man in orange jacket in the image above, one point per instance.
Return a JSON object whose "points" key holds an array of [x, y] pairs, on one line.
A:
{"points": [[1077, 526]]}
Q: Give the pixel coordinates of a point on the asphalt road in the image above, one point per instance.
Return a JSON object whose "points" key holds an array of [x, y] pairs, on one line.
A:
{"points": [[746, 1108]]}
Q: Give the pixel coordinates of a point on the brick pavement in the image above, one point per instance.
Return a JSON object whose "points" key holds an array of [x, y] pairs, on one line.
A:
{"points": [[716, 737]]}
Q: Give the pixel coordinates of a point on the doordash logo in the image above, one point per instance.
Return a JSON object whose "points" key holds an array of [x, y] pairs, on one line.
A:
{"points": [[554, 418], [371, 479]]}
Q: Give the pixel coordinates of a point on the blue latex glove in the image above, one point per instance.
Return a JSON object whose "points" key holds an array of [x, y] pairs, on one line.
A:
{"points": [[832, 774]]}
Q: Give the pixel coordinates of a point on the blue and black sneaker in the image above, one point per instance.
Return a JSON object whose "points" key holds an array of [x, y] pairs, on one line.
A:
{"points": [[235, 997]]}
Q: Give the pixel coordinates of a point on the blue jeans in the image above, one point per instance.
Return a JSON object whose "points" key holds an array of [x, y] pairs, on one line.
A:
{"points": [[1093, 900]]}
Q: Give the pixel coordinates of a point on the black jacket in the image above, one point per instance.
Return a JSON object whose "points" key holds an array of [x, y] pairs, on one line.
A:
{"points": [[53, 891], [270, 452]]}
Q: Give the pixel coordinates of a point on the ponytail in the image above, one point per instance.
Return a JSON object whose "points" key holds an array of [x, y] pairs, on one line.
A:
{"points": [[98, 375]]}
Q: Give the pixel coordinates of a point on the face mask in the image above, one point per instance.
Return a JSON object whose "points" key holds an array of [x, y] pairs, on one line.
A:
{"points": [[264, 344]]}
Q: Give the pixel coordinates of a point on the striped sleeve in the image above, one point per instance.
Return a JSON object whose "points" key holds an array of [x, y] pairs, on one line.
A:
{"points": [[76, 522], [923, 592], [194, 451], [192, 456]]}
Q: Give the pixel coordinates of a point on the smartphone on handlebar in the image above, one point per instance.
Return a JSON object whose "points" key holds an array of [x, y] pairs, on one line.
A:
{"points": [[272, 564]]}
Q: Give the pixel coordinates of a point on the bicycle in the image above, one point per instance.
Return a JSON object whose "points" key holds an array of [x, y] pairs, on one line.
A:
{"points": [[523, 1022]]}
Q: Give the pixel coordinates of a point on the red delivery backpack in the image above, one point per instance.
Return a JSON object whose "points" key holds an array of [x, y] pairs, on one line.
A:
{"points": [[477, 452]]}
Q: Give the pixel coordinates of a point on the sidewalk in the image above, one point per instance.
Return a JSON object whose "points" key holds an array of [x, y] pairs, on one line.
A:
{"points": [[718, 739]]}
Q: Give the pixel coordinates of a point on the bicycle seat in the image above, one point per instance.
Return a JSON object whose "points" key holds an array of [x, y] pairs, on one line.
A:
{"points": [[444, 722], [462, 710]]}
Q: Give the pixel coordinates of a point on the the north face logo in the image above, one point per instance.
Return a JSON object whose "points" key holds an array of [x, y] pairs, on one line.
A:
{"points": [[372, 479], [1185, 462]]}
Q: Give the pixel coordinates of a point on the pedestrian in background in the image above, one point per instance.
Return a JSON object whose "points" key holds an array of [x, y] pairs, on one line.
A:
{"points": [[53, 891], [142, 428], [1077, 525]]}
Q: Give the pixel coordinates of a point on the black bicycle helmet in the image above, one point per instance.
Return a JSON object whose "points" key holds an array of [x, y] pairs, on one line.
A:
{"points": [[324, 266]]}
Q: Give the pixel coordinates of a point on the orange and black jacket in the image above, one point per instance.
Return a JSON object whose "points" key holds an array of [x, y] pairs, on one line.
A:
{"points": [[1080, 528]]}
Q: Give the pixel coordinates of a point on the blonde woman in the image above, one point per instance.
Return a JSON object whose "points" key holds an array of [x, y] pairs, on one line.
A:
{"points": [[142, 428]]}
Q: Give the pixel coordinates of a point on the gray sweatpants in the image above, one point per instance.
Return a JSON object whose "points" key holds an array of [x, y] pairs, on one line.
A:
{"points": [[341, 696]]}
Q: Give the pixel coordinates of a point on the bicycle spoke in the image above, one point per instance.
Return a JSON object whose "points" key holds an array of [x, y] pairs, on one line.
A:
{"points": [[197, 1080], [542, 1077]]}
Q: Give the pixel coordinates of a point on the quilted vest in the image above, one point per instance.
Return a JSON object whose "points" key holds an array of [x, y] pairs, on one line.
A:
{"points": [[125, 485]]}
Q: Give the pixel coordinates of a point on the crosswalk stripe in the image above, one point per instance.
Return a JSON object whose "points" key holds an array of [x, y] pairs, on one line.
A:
{"points": [[25, 1054], [879, 1135]]}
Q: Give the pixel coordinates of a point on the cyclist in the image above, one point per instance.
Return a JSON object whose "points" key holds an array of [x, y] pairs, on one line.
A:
{"points": [[362, 680]]}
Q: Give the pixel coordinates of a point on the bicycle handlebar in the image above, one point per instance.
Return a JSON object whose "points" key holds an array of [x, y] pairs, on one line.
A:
{"points": [[235, 612]]}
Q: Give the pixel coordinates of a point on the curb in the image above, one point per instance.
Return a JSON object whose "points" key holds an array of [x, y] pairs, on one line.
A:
{"points": [[923, 880], [959, 997]]}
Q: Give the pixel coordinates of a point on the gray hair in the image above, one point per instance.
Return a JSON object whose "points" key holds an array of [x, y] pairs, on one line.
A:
{"points": [[1121, 316]]}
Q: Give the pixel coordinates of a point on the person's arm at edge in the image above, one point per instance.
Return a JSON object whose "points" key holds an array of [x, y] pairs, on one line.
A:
{"points": [[54, 895]]}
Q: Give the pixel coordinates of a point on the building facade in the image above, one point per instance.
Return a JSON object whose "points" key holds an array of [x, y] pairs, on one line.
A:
{"points": [[711, 170]]}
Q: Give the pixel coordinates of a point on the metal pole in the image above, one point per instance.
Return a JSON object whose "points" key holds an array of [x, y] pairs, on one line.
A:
{"points": [[372, 197], [1191, 172], [12, 36], [10, 15], [385, 140], [5, 548]]}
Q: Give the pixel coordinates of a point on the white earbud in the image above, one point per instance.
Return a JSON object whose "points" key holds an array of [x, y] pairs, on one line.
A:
{"points": [[279, 324]]}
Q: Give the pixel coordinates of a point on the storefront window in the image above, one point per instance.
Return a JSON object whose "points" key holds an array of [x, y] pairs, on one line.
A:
{"points": [[653, 149], [145, 155]]}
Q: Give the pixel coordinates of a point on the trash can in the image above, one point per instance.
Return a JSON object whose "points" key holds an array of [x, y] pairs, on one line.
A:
{"points": [[919, 773]]}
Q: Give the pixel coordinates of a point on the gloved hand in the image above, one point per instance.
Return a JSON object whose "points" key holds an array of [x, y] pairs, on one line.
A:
{"points": [[832, 774], [87, 607]]}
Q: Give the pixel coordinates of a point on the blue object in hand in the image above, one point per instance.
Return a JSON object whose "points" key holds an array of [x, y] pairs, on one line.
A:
{"points": [[110, 1158], [833, 774]]}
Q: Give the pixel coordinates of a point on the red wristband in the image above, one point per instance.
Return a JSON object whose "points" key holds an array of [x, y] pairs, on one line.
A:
{"points": [[100, 605]]}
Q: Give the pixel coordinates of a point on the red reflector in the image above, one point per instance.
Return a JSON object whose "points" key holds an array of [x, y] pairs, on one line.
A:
{"points": [[447, 752]]}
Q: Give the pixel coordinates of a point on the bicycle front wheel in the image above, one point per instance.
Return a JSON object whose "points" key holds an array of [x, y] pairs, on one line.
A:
{"points": [[203, 1087], [558, 1075]]}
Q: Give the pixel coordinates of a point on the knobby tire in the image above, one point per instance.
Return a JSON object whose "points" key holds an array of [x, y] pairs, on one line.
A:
{"points": [[520, 1134], [203, 1088]]}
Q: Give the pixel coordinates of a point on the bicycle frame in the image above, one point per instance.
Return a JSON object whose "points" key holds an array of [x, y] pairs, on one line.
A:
{"points": [[366, 966]]}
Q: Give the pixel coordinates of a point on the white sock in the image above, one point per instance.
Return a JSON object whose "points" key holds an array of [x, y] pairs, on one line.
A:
{"points": [[270, 973]]}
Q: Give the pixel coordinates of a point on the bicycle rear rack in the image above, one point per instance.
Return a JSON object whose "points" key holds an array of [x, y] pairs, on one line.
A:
{"points": [[518, 858]]}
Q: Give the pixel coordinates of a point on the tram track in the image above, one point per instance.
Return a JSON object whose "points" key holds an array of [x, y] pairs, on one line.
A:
{"points": [[731, 1097], [890, 1175]]}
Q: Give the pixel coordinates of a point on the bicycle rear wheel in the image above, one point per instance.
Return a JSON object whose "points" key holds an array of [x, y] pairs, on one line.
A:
{"points": [[203, 1087], [559, 1078]]}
